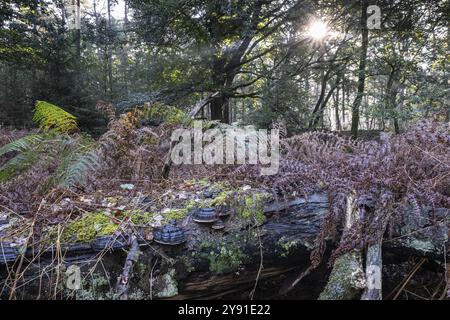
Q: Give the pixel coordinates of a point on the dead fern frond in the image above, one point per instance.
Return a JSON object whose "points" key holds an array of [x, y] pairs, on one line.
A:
{"points": [[402, 173], [108, 110]]}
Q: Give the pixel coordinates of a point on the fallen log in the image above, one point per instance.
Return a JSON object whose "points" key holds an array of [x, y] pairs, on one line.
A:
{"points": [[286, 239], [215, 264], [212, 263]]}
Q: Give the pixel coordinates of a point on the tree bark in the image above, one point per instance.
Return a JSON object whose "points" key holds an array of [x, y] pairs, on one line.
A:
{"points": [[361, 70], [336, 110], [318, 114], [109, 53], [391, 92], [124, 53], [78, 79], [323, 87]]}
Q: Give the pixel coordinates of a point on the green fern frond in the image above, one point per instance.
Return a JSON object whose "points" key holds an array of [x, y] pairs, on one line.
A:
{"points": [[22, 144], [52, 118], [78, 157], [77, 168], [75, 155], [18, 164], [28, 150]]}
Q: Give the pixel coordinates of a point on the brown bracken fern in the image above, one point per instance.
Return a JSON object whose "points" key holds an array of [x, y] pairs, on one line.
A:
{"points": [[400, 174]]}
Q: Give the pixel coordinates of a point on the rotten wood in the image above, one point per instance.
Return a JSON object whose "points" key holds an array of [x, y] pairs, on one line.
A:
{"points": [[286, 241], [347, 277], [373, 273]]}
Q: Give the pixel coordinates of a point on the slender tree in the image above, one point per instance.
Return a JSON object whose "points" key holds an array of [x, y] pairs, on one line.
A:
{"points": [[361, 70]]}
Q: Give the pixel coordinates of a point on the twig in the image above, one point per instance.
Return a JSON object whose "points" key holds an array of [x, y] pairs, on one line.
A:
{"points": [[411, 274], [123, 280], [287, 288], [22, 257], [261, 267], [151, 279]]}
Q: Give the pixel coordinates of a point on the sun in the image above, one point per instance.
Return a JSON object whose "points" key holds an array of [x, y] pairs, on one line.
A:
{"points": [[317, 30]]}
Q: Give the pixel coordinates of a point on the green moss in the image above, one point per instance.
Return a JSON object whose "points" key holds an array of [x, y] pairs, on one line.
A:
{"points": [[202, 182], [228, 259], [146, 218], [175, 214], [192, 204], [222, 198], [88, 227], [96, 287], [137, 294], [219, 187], [287, 246], [141, 218], [187, 261], [112, 200], [252, 207]]}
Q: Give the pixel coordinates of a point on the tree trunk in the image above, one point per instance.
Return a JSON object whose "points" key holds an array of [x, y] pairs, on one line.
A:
{"points": [[343, 105], [391, 92], [336, 110], [323, 104], [218, 106], [361, 70], [78, 79], [124, 53], [109, 50], [223, 81], [316, 112]]}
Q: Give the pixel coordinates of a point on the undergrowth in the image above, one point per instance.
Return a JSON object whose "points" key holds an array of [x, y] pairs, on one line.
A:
{"points": [[396, 176], [399, 175]]}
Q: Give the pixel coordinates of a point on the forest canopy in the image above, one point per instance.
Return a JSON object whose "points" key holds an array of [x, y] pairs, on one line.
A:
{"points": [[260, 55]]}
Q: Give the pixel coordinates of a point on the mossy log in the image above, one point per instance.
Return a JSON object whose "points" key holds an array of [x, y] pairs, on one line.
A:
{"points": [[244, 256]]}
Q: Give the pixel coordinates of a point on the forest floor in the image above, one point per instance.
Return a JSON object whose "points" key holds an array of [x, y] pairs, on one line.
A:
{"points": [[111, 211]]}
